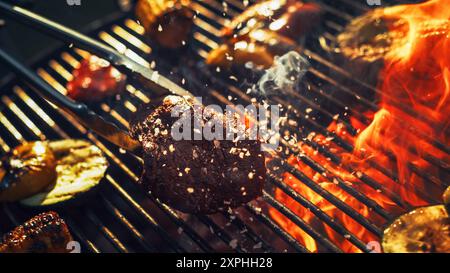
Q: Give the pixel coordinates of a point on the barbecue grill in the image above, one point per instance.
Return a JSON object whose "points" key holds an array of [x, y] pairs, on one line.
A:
{"points": [[121, 218]]}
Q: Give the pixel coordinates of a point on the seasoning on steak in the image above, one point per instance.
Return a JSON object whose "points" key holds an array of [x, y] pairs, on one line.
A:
{"points": [[45, 233], [94, 80], [196, 176], [168, 22]]}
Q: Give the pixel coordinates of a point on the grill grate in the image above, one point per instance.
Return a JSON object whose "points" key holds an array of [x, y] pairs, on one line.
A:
{"points": [[123, 219]]}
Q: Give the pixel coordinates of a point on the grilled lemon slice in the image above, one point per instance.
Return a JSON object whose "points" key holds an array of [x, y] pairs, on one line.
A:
{"points": [[80, 167]]}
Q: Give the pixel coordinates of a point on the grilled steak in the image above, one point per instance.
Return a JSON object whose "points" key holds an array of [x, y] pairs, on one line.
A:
{"points": [[168, 22], [196, 176], [45, 233]]}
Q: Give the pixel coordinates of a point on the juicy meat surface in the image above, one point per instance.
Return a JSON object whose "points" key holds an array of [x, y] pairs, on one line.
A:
{"points": [[94, 80], [196, 176], [44, 233]]}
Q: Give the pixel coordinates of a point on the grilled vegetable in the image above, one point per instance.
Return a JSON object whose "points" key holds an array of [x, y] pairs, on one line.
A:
{"points": [[94, 80], [45, 233], [289, 18], [424, 230], [263, 31], [373, 36], [257, 48], [80, 168], [446, 198], [367, 41], [381, 36], [196, 176], [168, 22], [30, 168]]}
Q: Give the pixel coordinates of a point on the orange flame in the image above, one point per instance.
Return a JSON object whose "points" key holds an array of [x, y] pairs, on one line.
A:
{"points": [[416, 77]]}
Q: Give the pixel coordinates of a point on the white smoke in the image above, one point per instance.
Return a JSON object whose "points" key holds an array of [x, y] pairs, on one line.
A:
{"points": [[284, 75]]}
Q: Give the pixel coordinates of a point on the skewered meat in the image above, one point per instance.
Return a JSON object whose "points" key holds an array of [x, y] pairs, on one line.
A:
{"points": [[168, 22], [45, 233], [27, 170], [80, 168], [94, 80], [424, 230], [196, 176], [263, 31], [289, 18]]}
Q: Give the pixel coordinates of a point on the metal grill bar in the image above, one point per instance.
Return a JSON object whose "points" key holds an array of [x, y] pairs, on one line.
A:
{"points": [[276, 229], [364, 199], [335, 225], [351, 148], [47, 75], [107, 232], [250, 233], [35, 119], [321, 170], [75, 64], [59, 88], [399, 105], [414, 168], [116, 43], [299, 222]]}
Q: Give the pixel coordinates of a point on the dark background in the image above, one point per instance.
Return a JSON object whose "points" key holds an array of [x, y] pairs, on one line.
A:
{"points": [[28, 44]]}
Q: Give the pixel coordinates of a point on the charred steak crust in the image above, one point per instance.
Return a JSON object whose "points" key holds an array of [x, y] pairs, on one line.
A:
{"points": [[44, 233], [196, 176]]}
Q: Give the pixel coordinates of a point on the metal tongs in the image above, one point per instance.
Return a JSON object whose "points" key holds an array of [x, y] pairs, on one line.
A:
{"points": [[144, 75]]}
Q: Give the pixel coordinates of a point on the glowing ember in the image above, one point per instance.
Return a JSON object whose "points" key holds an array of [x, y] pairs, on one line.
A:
{"points": [[417, 77]]}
